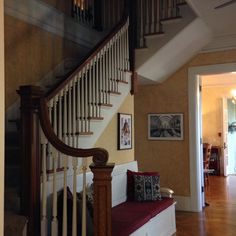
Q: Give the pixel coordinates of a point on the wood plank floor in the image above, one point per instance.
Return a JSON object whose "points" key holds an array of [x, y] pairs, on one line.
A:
{"points": [[219, 218]]}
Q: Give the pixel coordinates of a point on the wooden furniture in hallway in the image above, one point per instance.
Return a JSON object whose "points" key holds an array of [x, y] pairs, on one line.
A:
{"points": [[217, 219]]}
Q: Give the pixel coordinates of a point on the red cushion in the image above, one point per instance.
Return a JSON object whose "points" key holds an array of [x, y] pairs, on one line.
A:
{"points": [[130, 182], [129, 216]]}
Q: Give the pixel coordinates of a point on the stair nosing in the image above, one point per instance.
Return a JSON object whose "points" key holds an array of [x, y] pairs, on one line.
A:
{"points": [[171, 20]]}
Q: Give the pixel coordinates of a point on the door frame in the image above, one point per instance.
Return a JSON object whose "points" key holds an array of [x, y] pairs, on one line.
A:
{"points": [[194, 74]]}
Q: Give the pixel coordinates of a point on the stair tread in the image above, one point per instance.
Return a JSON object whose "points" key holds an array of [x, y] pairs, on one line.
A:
{"points": [[158, 34], [105, 104], [14, 224], [170, 20], [114, 92], [85, 133], [95, 118]]}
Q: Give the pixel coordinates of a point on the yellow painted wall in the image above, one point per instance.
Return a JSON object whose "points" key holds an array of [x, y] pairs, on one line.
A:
{"points": [[108, 139], [2, 118], [31, 53], [211, 112], [170, 158]]}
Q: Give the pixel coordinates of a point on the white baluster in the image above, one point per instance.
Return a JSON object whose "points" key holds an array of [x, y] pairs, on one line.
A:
{"points": [[54, 229], [64, 223], [74, 107], [78, 104], [60, 164], [98, 93], [115, 63], [44, 221], [110, 68], [65, 113], [84, 169], [90, 93], [74, 211], [86, 99], [65, 163], [82, 100], [50, 159], [101, 77], [94, 88]]}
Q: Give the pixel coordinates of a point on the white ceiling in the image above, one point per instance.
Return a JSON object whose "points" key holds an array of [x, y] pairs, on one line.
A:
{"points": [[221, 21]]}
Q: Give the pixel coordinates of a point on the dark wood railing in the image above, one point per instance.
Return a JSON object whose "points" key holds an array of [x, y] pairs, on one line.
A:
{"points": [[34, 111]]}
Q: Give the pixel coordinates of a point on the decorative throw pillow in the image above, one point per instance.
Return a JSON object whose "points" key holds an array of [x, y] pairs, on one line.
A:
{"points": [[130, 182], [147, 188]]}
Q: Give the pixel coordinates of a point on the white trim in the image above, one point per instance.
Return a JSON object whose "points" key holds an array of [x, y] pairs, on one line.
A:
{"points": [[183, 203], [194, 74]]}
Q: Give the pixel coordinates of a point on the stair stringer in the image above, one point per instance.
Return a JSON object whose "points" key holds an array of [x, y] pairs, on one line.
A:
{"points": [[97, 127], [174, 54], [171, 28]]}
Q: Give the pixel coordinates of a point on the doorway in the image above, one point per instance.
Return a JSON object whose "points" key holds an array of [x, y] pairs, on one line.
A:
{"points": [[219, 121], [194, 104]]}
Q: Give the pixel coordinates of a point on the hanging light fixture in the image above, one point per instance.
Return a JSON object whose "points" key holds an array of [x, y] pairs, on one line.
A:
{"points": [[233, 92]]}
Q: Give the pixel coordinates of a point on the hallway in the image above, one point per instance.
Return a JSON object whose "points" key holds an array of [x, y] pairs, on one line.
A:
{"points": [[218, 219]]}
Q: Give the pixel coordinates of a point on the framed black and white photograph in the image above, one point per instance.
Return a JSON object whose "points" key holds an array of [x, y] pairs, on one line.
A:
{"points": [[165, 126], [124, 131]]}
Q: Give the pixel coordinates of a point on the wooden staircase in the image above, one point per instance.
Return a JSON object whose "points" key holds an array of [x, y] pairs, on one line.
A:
{"points": [[66, 114]]}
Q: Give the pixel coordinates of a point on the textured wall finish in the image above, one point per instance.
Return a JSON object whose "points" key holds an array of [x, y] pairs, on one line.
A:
{"points": [[108, 139], [170, 158]]}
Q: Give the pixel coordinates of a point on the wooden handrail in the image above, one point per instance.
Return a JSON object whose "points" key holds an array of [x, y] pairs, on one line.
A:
{"points": [[100, 155], [94, 52]]}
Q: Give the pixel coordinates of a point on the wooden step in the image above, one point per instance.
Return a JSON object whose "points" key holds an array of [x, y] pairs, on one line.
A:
{"points": [[155, 35], [15, 225], [85, 133], [171, 20], [122, 81], [105, 105], [12, 199], [95, 118], [114, 93]]}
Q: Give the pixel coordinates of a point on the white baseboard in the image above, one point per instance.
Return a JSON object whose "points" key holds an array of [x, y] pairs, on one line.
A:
{"points": [[183, 203]]}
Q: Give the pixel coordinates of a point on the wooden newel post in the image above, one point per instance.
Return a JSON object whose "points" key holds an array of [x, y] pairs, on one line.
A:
{"points": [[30, 195], [102, 199]]}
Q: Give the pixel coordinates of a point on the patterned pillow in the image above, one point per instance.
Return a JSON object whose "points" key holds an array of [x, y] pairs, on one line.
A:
{"points": [[146, 188], [130, 182]]}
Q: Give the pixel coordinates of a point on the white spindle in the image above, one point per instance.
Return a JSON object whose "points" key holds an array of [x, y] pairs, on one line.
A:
{"points": [[86, 99], [54, 229], [50, 159], [65, 163], [110, 67], [84, 169], [98, 94], [82, 101], [60, 164], [74, 211], [74, 108], [106, 71], [44, 192], [90, 93], [78, 127], [93, 82]]}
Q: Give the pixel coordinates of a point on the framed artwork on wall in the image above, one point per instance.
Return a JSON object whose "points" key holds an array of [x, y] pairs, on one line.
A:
{"points": [[168, 126], [124, 131]]}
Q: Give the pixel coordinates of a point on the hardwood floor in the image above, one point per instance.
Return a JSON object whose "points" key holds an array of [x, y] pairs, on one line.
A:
{"points": [[219, 218]]}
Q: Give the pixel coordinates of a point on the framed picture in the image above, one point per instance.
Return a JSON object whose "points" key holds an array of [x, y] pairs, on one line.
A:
{"points": [[165, 126], [124, 131]]}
